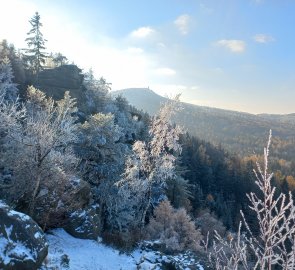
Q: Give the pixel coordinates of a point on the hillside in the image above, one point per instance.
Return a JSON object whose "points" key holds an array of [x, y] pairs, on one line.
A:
{"points": [[237, 132]]}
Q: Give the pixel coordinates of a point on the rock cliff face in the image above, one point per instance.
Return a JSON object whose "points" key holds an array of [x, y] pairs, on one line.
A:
{"points": [[55, 82]]}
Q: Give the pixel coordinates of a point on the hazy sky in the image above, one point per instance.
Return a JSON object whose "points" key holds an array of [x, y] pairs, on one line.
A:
{"points": [[233, 54]]}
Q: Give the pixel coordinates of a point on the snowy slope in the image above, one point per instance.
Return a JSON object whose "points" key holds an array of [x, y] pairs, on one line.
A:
{"points": [[85, 254], [91, 255]]}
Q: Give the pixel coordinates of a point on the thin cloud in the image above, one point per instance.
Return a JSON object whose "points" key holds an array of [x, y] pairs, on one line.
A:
{"points": [[142, 32], [183, 24], [165, 71], [234, 45], [263, 38]]}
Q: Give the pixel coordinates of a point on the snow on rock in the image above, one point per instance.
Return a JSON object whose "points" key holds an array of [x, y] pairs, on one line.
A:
{"points": [[84, 224], [22, 242]]}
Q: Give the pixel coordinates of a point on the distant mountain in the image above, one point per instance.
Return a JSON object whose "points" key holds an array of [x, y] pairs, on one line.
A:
{"points": [[285, 118], [238, 132], [142, 98]]}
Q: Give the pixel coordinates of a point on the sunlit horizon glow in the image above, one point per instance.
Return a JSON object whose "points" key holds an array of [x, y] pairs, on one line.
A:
{"points": [[236, 55]]}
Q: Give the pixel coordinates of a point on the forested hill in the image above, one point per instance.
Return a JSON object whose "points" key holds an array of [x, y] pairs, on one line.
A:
{"points": [[238, 132]]}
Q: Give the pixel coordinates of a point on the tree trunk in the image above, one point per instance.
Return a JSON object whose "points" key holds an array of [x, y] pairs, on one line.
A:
{"points": [[38, 181], [33, 201], [149, 195]]}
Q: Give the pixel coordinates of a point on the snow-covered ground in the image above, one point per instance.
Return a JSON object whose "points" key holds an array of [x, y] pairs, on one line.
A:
{"points": [[85, 254], [92, 255]]}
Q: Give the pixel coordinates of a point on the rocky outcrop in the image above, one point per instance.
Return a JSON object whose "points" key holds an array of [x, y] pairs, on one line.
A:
{"points": [[84, 224], [54, 211], [22, 243], [152, 258], [56, 81]]}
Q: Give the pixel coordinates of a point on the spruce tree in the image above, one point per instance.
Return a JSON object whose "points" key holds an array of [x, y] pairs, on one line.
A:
{"points": [[36, 43]]}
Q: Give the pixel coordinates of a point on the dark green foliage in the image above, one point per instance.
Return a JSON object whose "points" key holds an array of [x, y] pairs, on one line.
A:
{"points": [[218, 180], [178, 189]]}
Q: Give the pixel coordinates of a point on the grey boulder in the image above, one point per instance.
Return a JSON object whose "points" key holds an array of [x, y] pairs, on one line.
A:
{"points": [[22, 242]]}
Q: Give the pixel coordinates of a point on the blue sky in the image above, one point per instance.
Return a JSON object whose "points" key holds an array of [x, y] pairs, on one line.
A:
{"points": [[231, 54]]}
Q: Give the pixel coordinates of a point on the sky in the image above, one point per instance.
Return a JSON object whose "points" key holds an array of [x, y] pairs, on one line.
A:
{"points": [[230, 54]]}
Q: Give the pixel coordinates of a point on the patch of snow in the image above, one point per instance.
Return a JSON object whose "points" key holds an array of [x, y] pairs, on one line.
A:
{"points": [[151, 257], [200, 267], [76, 180], [83, 213], [85, 254], [10, 250], [80, 229], [99, 239], [2, 204], [3, 245], [165, 259], [148, 266], [21, 251], [93, 255], [8, 231], [37, 235], [22, 216]]}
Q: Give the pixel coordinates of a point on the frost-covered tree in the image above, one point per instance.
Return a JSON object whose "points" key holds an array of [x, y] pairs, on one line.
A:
{"points": [[41, 153], [8, 51], [11, 114], [97, 92], [274, 245], [150, 164], [36, 43], [98, 147], [59, 59], [7, 88]]}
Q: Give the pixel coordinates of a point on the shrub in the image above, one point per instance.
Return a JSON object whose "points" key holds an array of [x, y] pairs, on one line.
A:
{"points": [[174, 229], [208, 224]]}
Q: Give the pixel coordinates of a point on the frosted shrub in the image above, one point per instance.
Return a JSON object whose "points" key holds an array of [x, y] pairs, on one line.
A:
{"points": [[150, 164]]}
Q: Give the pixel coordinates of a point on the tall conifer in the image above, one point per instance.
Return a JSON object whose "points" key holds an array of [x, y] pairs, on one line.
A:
{"points": [[36, 43]]}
